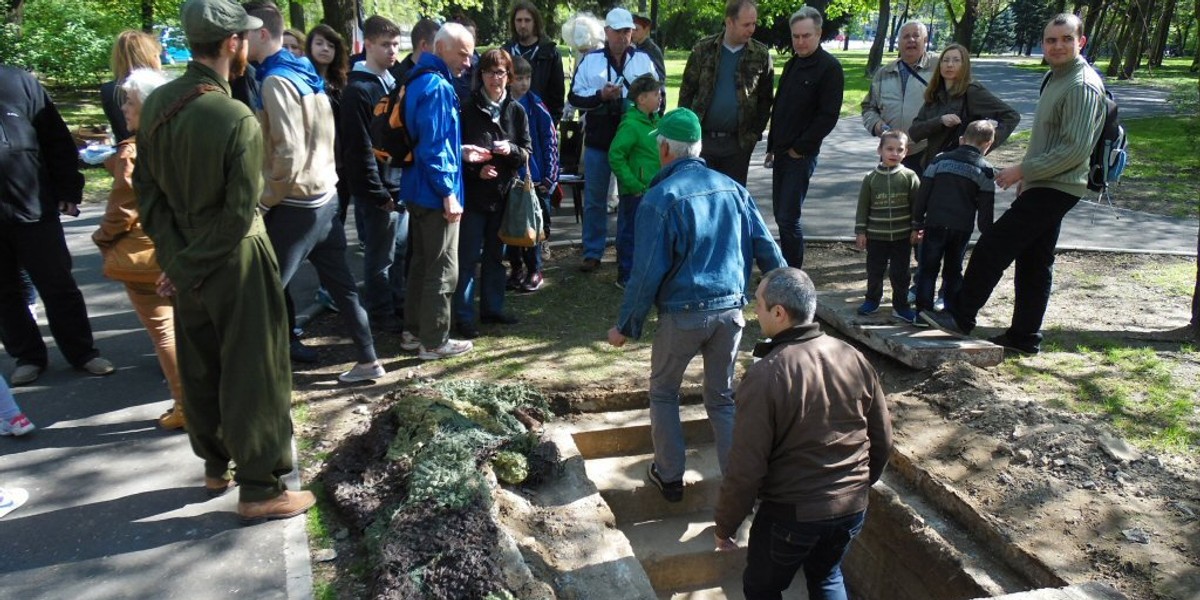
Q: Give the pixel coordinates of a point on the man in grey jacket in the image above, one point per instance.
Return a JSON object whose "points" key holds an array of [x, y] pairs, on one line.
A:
{"points": [[898, 89]]}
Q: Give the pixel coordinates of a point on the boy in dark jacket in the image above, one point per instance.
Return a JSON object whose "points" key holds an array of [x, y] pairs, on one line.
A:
{"points": [[526, 263], [883, 227], [956, 186]]}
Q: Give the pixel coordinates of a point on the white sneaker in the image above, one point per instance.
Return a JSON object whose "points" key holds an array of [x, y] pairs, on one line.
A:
{"points": [[363, 372], [17, 426], [98, 366], [409, 342], [11, 499], [450, 348]]}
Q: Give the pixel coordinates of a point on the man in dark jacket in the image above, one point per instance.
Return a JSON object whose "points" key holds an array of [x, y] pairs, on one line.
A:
{"points": [[374, 185], [642, 28], [422, 42], [807, 105], [39, 178], [530, 42], [811, 435]]}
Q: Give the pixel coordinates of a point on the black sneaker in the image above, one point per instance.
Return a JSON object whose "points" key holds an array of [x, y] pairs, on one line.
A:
{"points": [[942, 320], [671, 491], [515, 279], [1005, 342]]}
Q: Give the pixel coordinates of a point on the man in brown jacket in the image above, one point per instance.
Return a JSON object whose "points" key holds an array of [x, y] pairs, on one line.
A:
{"points": [[811, 435]]}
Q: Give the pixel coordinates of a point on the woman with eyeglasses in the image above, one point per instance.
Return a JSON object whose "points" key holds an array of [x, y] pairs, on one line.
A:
{"points": [[490, 119]]}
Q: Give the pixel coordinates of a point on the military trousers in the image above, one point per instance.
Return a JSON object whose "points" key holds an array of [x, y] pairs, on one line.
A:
{"points": [[232, 341]]}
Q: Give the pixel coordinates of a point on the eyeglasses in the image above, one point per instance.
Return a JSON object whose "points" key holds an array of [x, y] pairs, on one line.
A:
{"points": [[495, 73]]}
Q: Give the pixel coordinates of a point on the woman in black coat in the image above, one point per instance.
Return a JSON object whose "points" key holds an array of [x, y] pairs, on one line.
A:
{"points": [[490, 119]]}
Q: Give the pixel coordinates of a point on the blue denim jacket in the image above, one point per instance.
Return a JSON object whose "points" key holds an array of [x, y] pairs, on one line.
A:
{"points": [[697, 234]]}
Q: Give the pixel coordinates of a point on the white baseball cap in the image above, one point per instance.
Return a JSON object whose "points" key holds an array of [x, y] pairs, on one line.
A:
{"points": [[618, 18]]}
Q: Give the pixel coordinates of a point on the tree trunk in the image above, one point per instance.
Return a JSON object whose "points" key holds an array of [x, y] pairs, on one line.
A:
{"points": [[1136, 40], [1093, 27], [148, 16], [1161, 33], [1114, 64], [341, 16], [14, 11], [897, 23], [964, 29], [875, 58], [296, 16]]}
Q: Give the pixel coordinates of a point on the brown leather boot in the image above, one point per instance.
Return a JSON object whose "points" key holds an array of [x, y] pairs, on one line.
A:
{"points": [[284, 506], [217, 486], [173, 419]]}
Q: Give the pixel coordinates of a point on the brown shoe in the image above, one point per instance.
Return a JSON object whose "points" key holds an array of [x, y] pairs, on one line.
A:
{"points": [[173, 419], [217, 486], [284, 506]]}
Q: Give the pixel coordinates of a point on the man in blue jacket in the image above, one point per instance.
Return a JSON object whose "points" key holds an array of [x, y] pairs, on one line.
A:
{"points": [[698, 233], [432, 188]]}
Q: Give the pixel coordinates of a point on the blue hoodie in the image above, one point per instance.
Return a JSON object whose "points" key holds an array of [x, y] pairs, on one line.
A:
{"points": [[431, 114], [299, 71]]}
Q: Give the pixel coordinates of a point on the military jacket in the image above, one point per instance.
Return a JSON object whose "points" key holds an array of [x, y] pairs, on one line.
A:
{"points": [[755, 85]]}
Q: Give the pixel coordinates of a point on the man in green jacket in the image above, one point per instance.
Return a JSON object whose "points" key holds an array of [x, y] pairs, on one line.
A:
{"points": [[729, 83], [199, 180], [1052, 178]]}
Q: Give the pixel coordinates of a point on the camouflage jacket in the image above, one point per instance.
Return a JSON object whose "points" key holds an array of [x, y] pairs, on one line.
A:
{"points": [[755, 85]]}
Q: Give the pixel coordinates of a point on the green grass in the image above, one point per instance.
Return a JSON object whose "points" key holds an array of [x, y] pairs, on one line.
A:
{"points": [[1176, 280], [1158, 161], [1173, 74]]}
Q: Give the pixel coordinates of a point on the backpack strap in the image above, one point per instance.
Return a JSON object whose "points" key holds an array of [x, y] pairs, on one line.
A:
{"points": [[179, 104]]}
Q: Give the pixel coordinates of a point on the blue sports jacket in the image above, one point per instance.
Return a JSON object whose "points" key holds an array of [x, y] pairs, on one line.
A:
{"points": [[543, 166], [431, 114]]}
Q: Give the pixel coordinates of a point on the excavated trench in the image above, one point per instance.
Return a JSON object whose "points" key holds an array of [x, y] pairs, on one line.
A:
{"points": [[921, 540]]}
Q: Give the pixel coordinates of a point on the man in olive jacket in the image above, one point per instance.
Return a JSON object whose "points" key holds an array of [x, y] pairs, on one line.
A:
{"points": [[199, 180], [729, 83]]}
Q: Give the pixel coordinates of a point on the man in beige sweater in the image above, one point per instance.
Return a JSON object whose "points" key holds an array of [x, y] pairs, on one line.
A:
{"points": [[1051, 179], [811, 435]]}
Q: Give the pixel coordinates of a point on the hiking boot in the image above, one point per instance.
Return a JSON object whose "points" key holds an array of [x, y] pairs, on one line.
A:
{"points": [[284, 506], [217, 486], [409, 342], [515, 279], [363, 372], [532, 283], [589, 265], [16, 426], [868, 307], [446, 350], [11, 499], [942, 320], [1007, 343], [98, 366], [907, 315], [173, 419], [671, 491], [25, 374]]}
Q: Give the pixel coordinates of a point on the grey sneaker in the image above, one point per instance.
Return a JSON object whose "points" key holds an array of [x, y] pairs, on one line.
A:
{"points": [[409, 342], [363, 372], [98, 366], [25, 374], [450, 348]]}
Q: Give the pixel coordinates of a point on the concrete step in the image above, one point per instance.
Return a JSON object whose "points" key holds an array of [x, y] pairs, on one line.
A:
{"points": [[633, 499], [1091, 590], [677, 552], [606, 434], [917, 347]]}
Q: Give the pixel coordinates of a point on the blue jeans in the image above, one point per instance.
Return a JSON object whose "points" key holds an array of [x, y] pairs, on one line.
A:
{"points": [[385, 237], [715, 334], [789, 180], [940, 247], [780, 546], [596, 172], [479, 245], [626, 224]]}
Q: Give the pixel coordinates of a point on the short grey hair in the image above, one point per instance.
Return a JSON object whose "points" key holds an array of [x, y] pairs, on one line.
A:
{"points": [[680, 149], [792, 289], [453, 32], [807, 12], [141, 82], [919, 25]]}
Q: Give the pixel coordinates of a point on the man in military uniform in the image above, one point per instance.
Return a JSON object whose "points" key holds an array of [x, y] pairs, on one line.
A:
{"points": [[199, 181], [728, 82]]}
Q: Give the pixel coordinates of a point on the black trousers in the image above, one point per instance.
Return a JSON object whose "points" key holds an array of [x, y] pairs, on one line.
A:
{"points": [[725, 155], [41, 249], [1025, 234], [892, 258]]}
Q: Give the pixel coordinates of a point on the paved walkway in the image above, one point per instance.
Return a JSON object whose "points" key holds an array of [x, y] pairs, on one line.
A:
{"points": [[116, 509]]}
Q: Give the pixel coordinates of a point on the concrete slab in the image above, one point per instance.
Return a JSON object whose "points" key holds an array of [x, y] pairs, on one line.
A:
{"points": [[607, 434], [677, 552], [1087, 591], [623, 485], [731, 589], [917, 347]]}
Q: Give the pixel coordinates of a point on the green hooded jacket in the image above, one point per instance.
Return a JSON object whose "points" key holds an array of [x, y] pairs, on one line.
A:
{"points": [[633, 155]]}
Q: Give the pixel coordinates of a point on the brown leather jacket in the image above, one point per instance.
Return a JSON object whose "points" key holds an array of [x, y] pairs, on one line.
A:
{"points": [[127, 250]]}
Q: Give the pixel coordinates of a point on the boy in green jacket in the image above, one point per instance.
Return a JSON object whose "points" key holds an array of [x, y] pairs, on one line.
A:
{"points": [[883, 226], [633, 157]]}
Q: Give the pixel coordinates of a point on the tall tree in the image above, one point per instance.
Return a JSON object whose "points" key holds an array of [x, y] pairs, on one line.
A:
{"points": [[148, 16], [1162, 31], [341, 16], [1139, 15], [875, 58], [964, 26], [14, 11]]}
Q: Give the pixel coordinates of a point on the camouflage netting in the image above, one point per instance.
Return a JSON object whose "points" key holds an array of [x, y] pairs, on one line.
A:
{"points": [[413, 484]]}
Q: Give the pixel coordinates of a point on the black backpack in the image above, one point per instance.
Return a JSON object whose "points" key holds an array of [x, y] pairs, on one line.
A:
{"points": [[1109, 157], [390, 139]]}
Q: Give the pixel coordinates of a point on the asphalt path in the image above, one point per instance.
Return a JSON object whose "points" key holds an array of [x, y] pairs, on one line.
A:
{"points": [[116, 509]]}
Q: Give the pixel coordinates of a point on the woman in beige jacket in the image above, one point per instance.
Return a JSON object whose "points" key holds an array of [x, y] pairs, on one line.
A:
{"points": [[127, 250]]}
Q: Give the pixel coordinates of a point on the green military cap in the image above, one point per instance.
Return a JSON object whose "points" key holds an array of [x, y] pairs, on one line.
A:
{"points": [[206, 21], [681, 125]]}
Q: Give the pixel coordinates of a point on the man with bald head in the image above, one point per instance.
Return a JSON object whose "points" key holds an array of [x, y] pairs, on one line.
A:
{"points": [[898, 89]]}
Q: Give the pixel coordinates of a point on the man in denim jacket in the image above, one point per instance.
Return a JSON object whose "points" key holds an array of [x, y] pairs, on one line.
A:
{"points": [[697, 233]]}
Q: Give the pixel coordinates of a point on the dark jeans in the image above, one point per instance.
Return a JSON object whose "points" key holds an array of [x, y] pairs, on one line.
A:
{"points": [[626, 225], [892, 258], [780, 546], [725, 155], [384, 235], [789, 180], [1026, 234], [479, 246], [41, 250], [943, 248]]}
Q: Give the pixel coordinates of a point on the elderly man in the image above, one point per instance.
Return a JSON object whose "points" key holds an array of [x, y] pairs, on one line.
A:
{"points": [[812, 435], [599, 88], [40, 180], [199, 181], [698, 234], [728, 82], [898, 89], [531, 43], [642, 28], [433, 189], [806, 110], [1051, 179]]}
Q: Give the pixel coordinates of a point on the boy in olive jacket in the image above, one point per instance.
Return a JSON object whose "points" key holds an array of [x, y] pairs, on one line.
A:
{"points": [[633, 157], [883, 225]]}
